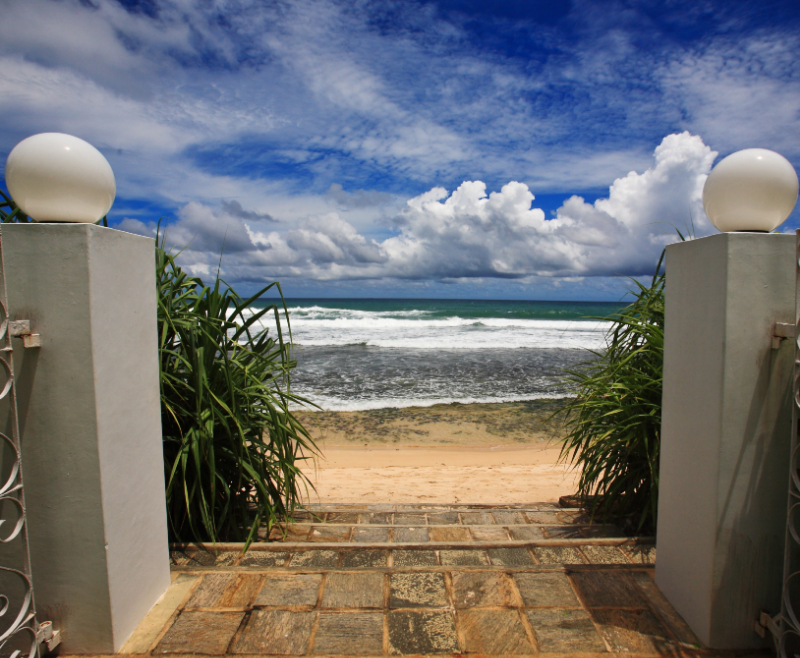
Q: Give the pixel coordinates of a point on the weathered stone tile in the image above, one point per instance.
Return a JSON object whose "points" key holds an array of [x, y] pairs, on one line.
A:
{"points": [[159, 618], [225, 590], [449, 533], [307, 517], [349, 633], [410, 534], [293, 532], [414, 558], [443, 518], [353, 590], [462, 558], [664, 608], [201, 632], [526, 532], [558, 555], [489, 533], [601, 531], [379, 507], [604, 555], [508, 517], [477, 518], [479, 589], [574, 516], [263, 559], [497, 632], [314, 559], [564, 630], [289, 589], [209, 559], [227, 558], [370, 535], [421, 632], [408, 518], [510, 557], [178, 557], [563, 531], [329, 533], [608, 588], [641, 553], [377, 518], [346, 518], [276, 632], [543, 518], [631, 631], [365, 558], [417, 590], [546, 589]]}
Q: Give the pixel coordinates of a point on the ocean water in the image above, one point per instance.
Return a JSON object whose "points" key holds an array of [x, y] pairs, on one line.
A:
{"points": [[369, 354]]}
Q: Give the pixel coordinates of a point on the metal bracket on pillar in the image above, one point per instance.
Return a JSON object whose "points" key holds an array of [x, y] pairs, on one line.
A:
{"points": [[768, 623], [780, 332], [22, 329], [47, 637]]}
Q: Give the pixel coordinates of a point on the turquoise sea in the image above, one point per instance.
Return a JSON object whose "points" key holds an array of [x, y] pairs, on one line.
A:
{"points": [[373, 353]]}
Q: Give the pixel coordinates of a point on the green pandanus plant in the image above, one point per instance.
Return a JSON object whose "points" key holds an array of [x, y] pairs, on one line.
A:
{"points": [[232, 447], [613, 424]]}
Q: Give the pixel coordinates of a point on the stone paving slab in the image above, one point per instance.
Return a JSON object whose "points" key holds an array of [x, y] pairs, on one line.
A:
{"points": [[537, 514], [451, 594], [400, 612], [332, 533], [423, 554]]}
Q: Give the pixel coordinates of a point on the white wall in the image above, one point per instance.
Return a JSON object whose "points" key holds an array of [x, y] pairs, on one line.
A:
{"points": [[725, 432], [90, 426]]}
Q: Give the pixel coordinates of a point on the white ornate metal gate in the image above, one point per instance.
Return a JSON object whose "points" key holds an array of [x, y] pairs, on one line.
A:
{"points": [[20, 633]]}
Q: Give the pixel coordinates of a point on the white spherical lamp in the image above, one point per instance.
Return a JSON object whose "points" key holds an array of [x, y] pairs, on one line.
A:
{"points": [[750, 190], [54, 177]]}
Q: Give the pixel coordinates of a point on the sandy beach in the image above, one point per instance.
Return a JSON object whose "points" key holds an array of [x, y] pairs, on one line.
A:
{"points": [[455, 453]]}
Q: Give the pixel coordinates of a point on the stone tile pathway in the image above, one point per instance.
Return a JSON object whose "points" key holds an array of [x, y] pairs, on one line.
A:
{"points": [[421, 580]]}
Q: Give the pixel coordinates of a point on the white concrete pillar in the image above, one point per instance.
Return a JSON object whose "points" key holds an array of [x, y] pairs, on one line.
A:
{"points": [[725, 432], [90, 427]]}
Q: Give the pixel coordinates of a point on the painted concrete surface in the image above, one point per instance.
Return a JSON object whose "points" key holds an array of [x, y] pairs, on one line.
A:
{"points": [[725, 432], [90, 427]]}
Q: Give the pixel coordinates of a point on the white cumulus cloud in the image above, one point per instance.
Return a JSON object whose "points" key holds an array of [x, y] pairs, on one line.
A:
{"points": [[465, 234]]}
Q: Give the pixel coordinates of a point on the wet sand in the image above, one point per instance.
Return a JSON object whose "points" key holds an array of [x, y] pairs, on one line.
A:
{"points": [[456, 453]]}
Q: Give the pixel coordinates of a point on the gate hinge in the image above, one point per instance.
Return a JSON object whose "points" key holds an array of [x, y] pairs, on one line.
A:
{"points": [[48, 636], [768, 623], [22, 329], [780, 332]]}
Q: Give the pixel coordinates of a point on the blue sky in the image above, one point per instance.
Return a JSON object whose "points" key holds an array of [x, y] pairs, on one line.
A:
{"points": [[536, 150]]}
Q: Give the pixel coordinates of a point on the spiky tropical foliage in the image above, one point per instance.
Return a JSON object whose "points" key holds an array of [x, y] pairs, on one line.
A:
{"points": [[10, 211], [614, 423], [232, 447]]}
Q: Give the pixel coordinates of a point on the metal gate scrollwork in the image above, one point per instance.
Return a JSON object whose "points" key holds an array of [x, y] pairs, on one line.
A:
{"points": [[788, 624], [20, 634]]}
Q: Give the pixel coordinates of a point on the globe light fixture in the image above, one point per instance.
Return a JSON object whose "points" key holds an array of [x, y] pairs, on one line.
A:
{"points": [[55, 177], [750, 190]]}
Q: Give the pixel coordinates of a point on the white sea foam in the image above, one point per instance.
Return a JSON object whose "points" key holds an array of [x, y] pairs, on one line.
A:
{"points": [[325, 313], [338, 404], [317, 326], [351, 359]]}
